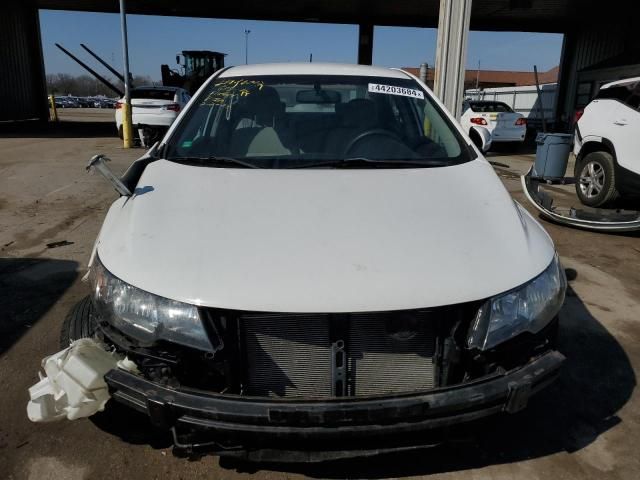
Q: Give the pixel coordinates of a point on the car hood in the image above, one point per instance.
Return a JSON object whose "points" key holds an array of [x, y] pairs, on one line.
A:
{"points": [[322, 240]]}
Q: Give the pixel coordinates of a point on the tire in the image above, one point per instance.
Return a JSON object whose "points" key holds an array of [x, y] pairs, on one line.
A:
{"points": [[596, 180], [79, 323]]}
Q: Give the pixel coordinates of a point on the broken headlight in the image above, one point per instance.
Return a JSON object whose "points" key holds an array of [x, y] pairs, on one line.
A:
{"points": [[144, 316], [528, 308]]}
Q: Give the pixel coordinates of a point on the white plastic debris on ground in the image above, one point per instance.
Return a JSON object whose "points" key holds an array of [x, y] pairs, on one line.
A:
{"points": [[73, 385]]}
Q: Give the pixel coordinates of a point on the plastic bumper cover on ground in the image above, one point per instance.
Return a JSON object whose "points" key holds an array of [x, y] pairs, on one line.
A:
{"points": [[257, 421], [605, 220]]}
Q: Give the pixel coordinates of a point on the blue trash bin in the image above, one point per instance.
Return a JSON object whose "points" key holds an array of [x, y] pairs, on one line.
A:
{"points": [[552, 155]]}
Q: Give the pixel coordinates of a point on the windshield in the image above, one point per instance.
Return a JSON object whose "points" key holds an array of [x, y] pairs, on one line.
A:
{"points": [[152, 93], [290, 121], [490, 107]]}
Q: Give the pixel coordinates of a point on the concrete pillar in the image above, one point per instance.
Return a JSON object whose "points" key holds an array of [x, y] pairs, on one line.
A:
{"points": [[365, 44], [23, 91], [451, 53]]}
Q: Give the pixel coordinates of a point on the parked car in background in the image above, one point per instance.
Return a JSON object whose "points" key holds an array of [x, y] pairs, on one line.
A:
{"points": [[103, 102], [607, 145], [84, 102], [75, 101], [524, 99], [64, 101], [153, 108], [497, 118], [319, 259]]}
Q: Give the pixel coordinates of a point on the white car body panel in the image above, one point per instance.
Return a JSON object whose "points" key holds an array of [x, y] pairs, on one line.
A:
{"points": [[501, 125], [618, 123], [322, 240], [485, 135], [315, 68], [625, 81], [152, 112]]}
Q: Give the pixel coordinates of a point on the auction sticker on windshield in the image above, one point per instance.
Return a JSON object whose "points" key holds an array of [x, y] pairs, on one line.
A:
{"points": [[393, 90]]}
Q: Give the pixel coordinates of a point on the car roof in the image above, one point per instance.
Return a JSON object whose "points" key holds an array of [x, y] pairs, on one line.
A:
{"points": [[157, 87], [618, 83], [316, 68]]}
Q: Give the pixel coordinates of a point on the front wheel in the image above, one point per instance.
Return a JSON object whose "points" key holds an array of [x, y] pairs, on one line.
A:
{"points": [[596, 179], [80, 323]]}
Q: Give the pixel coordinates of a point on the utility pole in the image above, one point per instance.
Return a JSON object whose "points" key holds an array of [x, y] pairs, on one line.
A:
{"points": [[424, 70], [127, 129], [540, 106], [246, 46]]}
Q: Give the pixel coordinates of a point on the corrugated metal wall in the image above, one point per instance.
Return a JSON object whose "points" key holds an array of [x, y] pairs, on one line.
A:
{"points": [[588, 46], [22, 81]]}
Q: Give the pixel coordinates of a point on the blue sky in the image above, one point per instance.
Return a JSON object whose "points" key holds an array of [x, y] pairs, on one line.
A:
{"points": [[156, 40]]}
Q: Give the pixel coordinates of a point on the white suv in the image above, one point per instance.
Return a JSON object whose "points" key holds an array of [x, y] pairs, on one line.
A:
{"points": [[607, 145]]}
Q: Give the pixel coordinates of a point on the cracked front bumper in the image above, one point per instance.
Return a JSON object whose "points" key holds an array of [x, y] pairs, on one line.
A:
{"points": [[231, 422]]}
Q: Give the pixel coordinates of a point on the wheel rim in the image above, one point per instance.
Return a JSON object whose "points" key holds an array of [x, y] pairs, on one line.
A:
{"points": [[592, 179]]}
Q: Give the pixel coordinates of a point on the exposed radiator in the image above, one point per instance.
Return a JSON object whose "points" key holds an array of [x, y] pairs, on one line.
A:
{"points": [[291, 355], [380, 363], [287, 355]]}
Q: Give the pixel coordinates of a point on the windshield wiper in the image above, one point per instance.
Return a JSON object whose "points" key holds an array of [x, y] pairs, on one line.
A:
{"points": [[356, 162], [213, 162]]}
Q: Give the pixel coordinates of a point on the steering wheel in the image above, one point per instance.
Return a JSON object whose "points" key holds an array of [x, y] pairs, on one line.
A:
{"points": [[369, 133]]}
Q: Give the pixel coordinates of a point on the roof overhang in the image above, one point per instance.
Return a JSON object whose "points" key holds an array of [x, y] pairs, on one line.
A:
{"points": [[497, 15]]}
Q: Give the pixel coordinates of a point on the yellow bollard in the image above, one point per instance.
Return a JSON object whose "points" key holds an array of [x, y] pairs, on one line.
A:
{"points": [[127, 129], [54, 110]]}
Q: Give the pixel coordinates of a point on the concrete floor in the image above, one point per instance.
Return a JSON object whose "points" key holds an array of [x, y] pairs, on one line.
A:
{"points": [[587, 426]]}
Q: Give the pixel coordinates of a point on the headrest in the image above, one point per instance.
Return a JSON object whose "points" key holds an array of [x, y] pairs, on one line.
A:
{"points": [[264, 106], [360, 112]]}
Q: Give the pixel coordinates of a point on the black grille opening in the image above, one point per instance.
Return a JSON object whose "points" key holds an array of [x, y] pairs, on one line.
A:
{"points": [[320, 356]]}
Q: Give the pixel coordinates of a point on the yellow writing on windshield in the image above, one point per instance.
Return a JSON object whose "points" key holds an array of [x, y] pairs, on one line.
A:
{"points": [[224, 91]]}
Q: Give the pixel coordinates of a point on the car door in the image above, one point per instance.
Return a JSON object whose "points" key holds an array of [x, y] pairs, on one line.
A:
{"points": [[618, 120], [626, 125]]}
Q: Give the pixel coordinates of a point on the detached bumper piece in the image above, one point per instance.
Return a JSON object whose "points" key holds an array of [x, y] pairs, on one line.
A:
{"points": [[594, 219], [258, 428]]}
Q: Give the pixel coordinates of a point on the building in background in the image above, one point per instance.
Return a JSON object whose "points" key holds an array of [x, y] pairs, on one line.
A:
{"points": [[494, 78]]}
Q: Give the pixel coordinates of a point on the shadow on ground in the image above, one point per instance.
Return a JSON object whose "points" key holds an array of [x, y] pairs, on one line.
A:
{"points": [[28, 289], [63, 129], [596, 382]]}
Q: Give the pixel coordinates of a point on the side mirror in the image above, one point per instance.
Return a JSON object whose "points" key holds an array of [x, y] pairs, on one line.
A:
{"points": [[178, 59], [481, 138], [98, 163]]}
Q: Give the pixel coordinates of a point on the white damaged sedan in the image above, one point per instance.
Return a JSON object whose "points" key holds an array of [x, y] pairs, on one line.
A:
{"points": [[316, 258]]}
